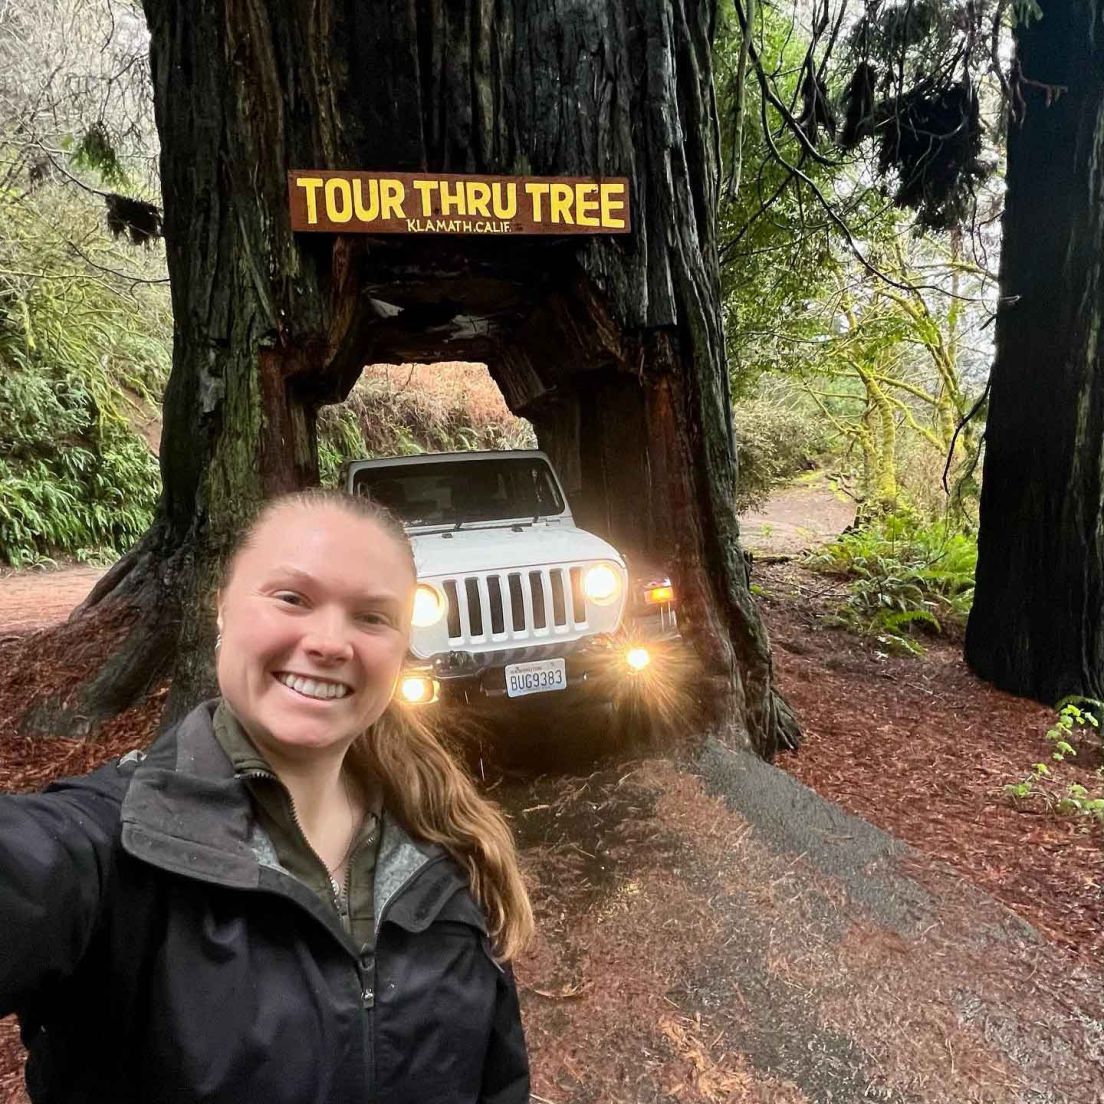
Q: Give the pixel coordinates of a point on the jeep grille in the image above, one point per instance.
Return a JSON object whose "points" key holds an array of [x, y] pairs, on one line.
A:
{"points": [[515, 604]]}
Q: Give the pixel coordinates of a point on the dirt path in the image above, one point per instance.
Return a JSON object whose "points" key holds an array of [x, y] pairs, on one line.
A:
{"points": [[36, 598], [795, 519]]}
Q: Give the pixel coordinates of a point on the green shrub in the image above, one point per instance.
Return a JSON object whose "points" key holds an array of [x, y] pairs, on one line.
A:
{"points": [[80, 353], [74, 480], [904, 575], [773, 444], [1075, 735]]}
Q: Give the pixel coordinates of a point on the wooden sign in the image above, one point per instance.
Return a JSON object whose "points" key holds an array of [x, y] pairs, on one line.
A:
{"points": [[451, 203]]}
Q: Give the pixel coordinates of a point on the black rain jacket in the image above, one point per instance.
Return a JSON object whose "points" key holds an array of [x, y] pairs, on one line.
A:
{"points": [[157, 953]]}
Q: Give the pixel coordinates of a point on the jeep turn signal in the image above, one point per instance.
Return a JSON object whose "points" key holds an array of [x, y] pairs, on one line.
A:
{"points": [[658, 595], [429, 606]]}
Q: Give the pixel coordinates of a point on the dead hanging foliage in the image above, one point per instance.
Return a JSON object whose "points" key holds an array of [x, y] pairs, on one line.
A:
{"points": [[931, 138], [133, 217], [928, 138], [858, 106], [816, 107], [912, 92]]}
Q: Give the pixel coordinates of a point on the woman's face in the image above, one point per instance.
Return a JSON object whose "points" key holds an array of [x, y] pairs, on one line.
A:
{"points": [[315, 624]]}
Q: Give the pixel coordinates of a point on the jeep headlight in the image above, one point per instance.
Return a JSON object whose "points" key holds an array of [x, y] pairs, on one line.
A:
{"points": [[429, 606], [602, 584]]}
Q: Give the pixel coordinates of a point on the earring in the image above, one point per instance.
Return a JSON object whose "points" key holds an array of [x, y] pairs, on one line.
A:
{"points": [[218, 641]]}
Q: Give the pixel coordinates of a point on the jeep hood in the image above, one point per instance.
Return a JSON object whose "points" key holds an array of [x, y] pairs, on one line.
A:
{"points": [[470, 551]]}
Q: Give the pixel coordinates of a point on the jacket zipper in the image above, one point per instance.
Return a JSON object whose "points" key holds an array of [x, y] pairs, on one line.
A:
{"points": [[334, 889], [367, 991], [366, 984], [350, 859]]}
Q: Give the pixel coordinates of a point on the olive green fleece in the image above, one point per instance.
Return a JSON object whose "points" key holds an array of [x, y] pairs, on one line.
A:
{"points": [[275, 811]]}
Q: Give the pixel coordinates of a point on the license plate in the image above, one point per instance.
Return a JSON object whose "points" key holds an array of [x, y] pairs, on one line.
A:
{"points": [[537, 677]]}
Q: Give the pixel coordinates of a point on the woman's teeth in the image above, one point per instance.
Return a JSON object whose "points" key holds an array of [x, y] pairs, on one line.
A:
{"points": [[313, 688]]}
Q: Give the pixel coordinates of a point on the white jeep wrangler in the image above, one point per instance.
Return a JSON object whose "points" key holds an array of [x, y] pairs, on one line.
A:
{"points": [[513, 599]]}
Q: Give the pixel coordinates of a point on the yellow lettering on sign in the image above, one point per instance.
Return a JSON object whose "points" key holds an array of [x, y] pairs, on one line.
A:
{"points": [[426, 188], [586, 209], [479, 196], [504, 208], [609, 204], [454, 199], [535, 191], [310, 186], [339, 199], [560, 203], [454, 205], [371, 212], [392, 195]]}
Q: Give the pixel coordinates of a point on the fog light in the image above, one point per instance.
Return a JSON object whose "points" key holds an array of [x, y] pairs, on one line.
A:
{"points": [[638, 658], [418, 690]]}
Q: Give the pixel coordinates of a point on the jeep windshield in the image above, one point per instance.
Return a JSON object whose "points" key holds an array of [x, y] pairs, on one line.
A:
{"points": [[454, 492]]}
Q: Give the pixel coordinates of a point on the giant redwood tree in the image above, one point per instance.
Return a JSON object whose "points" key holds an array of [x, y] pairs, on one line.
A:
{"points": [[1037, 626], [611, 346]]}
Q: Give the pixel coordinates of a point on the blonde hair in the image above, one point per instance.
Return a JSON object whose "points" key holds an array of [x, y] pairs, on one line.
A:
{"points": [[424, 785]]}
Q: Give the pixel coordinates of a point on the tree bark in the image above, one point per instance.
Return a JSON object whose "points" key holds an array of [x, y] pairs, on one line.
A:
{"points": [[613, 347], [1036, 627]]}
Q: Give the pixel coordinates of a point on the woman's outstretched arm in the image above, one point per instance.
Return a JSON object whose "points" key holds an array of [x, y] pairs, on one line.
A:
{"points": [[55, 855]]}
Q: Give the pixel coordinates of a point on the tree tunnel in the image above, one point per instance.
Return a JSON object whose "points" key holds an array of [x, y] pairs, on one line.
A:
{"points": [[611, 346]]}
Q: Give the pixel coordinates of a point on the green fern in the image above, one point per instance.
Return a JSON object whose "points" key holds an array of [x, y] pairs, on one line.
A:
{"points": [[75, 478], [904, 576], [900, 620]]}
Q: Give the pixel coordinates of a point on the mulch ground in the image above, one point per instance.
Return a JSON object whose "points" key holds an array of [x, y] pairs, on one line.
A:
{"points": [[918, 746], [923, 748]]}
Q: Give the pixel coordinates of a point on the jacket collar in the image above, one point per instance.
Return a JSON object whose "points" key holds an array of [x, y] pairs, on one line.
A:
{"points": [[246, 757], [188, 812]]}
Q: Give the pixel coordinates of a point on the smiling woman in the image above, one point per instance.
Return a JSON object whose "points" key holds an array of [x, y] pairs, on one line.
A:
{"points": [[313, 624], [296, 895]]}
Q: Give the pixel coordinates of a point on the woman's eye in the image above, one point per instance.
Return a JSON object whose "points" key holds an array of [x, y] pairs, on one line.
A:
{"points": [[290, 597], [372, 617]]}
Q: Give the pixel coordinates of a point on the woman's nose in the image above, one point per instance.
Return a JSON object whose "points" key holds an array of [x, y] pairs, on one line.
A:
{"points": [[327, 640]]}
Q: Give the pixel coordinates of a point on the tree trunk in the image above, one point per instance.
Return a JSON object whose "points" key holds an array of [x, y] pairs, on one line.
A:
{"points": [[1036, 628], [613, 347]]}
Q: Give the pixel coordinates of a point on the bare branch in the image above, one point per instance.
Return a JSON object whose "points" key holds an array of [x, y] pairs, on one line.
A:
{"points": [[126, 277], [768, 95], [963, 423]]}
